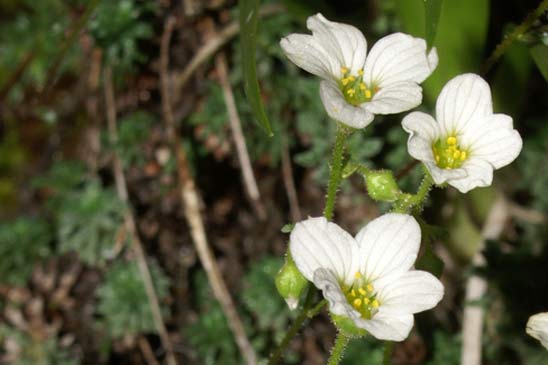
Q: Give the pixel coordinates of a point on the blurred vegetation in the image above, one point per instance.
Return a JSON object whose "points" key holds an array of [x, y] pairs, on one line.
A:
{"points": [[58, 197]]}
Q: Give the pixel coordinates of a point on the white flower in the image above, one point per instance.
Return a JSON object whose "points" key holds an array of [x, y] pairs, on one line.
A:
{"points": [[537, 327], [467, 141], [355, 88], [368, 278]]}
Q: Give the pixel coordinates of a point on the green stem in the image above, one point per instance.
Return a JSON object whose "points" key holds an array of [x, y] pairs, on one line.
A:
{"points": [[303, 315], [317, 308], [387, 357], [416, 201], [515, 34], [335, 170], [338, 349]]}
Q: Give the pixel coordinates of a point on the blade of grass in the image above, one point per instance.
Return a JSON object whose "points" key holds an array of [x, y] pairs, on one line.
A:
{"points": [[249, 10], [432, 11]]}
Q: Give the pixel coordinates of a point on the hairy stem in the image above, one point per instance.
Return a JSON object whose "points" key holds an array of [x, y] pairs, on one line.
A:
{"points": [[303, 315], [338, 349], [515, 34], [335, 170], [415, 201]]}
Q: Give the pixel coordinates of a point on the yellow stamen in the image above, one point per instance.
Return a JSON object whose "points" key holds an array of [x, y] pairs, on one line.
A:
{"points": [[366, 301], [362, 291], [437, 158], [368, 93], [375, 303], [463, 155], [362, 86], [353, 292], [344, 70], [357, 302], [360, 72], [358, 275], [369, 287], [451, 140], [351, 92]]}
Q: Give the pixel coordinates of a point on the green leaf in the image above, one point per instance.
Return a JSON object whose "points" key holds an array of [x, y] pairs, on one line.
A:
{"points": [[249, 10], [432, 10], [460, 37], [430, 262], [540, 56]]}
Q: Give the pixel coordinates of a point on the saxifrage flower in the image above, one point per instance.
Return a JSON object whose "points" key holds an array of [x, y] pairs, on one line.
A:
{"points": [[467, 141], [368, 279], [356, 87], [537, 327]]}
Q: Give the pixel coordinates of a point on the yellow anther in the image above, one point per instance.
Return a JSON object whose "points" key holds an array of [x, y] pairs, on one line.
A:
{"points": [[368, 93], [351, 92], [358, 275], [437, 158], [357, 302], [375, 303], [366, 301], [362, 291], [451, 140], [344, 70], [362, 86], [353, 293], [456, 154], [463, 155], [369, 287], [360, 72], [345, 81]]}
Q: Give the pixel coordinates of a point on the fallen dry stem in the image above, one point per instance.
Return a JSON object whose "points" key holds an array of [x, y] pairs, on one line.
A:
{"points": [[250, 183], [121, 188], [191, 204], [476, 287], [289, 183], [215, 43]]}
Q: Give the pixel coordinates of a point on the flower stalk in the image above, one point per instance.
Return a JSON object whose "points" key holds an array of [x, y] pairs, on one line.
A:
{"points": [[335, 170], [338, 349]]}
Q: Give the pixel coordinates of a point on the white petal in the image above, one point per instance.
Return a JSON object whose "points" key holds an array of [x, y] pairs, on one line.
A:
{"points": [[387, 327], [399, 57], [424, 132], [338, 304], [388, 245], [493, 139], [462, 99], [342, 41], [340, 110], [395, 98], [305, 51], [441, 176], [413, 292], [537, 327], [479, 173], [316, 243]]}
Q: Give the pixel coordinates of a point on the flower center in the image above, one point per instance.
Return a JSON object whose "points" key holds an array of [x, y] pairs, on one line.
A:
{"points": [[354, 89], [448, 153], [362, 296]]}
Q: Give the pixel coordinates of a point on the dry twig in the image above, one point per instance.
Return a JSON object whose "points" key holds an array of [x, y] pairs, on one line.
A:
{"points": [[191, 203], [476, 286], [289, 183], [121, 188], [215, 43], [250, 183]]}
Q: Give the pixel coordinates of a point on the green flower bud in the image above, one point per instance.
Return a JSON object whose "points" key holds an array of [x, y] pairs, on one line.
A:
{"points": [[381, 185], [347, 326], [290, 283]]}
